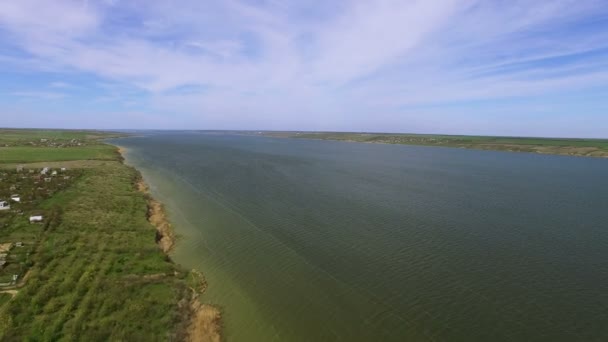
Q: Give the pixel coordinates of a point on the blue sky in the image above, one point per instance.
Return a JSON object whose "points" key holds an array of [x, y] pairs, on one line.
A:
{"points": [[523, 68]]}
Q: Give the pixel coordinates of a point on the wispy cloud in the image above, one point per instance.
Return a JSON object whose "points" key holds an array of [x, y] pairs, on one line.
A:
{"points": [[58, 84], [45, 95], [337, 65]]}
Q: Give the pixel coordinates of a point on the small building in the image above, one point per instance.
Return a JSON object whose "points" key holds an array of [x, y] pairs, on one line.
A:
{"points": [[4, 205], [36, 218], [66, 177], [19, 244], [15, 198], [19, 168], [63, 169], [54, 173], [47, 180], [44, 171]]}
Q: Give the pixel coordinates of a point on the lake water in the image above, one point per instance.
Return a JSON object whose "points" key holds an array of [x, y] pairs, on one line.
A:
{"points": [[304, 240]]}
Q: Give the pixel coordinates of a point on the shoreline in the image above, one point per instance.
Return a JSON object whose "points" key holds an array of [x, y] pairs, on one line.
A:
{"points": [[204, 321], [510, 147]]}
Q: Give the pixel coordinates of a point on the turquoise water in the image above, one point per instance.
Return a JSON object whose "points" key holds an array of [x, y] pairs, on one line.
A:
{"points": [[304, 240]]}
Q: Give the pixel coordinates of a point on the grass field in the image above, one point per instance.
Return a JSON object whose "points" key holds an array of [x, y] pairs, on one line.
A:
{"points": [[27, 146], [571, 147], [27, 154], [28, 135], [92, 270]]}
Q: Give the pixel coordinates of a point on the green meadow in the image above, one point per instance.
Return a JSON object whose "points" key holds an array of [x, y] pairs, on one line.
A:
{"points": [[27, 154]]}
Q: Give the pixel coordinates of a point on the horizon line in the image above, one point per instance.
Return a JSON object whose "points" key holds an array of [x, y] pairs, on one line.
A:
{"points": [[121, 130]]}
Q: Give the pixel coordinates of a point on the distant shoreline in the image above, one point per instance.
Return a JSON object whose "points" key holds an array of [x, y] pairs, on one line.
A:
{"points": [[597, 148]]}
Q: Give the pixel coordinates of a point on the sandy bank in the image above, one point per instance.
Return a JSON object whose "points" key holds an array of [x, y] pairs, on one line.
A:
{"points": [[204, 320], [157, 216]]}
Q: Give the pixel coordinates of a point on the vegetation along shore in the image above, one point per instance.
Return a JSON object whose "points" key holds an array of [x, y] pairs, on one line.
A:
{"points": [[560, 146], [84, 247]]}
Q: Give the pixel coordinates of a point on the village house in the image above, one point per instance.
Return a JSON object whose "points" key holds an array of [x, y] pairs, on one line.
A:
{"points": [[54, 173], [15, 198], [4, 205], [36, 218], [44, 171]]}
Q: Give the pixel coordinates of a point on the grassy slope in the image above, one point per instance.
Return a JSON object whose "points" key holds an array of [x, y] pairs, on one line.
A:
{"points": [[575, 147], [97, 271]]}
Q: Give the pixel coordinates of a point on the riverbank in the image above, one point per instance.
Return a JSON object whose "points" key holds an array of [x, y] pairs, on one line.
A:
{"points": [[203, 320]]}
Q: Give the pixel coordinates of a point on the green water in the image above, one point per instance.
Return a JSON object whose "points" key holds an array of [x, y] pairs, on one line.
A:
{"points": [[305, 240]]}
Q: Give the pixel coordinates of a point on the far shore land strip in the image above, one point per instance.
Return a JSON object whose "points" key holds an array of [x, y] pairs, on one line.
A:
{"points": [[93, 258], [559, 146]]}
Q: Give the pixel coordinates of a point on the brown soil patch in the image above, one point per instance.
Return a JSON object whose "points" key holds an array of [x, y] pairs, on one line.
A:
{"points": [[5, 247], [205, 319], [13, 293], [164, 232], [205, 325], [158, 218]]}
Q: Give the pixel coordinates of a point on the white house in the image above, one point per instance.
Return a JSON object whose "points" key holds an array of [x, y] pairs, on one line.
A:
{"points": [[54, 173], [44, 171], [37, 218], [15, 198], [4, 205]]}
